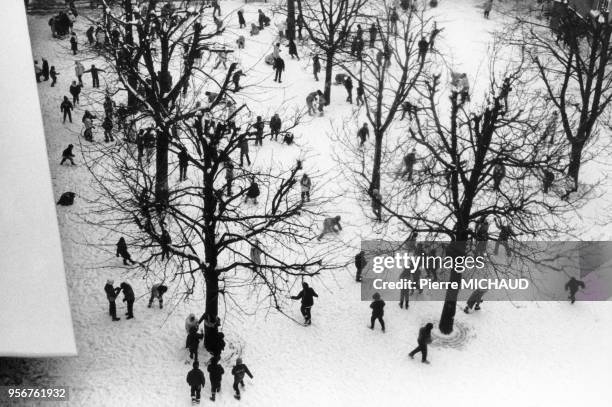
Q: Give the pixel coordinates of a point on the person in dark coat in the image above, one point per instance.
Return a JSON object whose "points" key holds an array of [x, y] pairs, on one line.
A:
{"points": [[95, 78], [215, 374], [505, 233], [404, 277], [409, 161], [107, 125], [238, 372], [363, 133], [90, 35], [244, 150], [279, 67], [307, 296], [360, 263], [122, 250], [66, 108], [373, 32], [275, 126], [316, 67], [45, 69], [196, 380], [252, 192], [348, 85], [293, 50], [183, 157], [573, 285], [68, 155], [499, 172], [157, 291], [129, 298], [261, 19], [423, 340], [549, 178], [111, 296], [165, 241], [73, 44], [360, 94], [474, 300], [259, 128], [378, 310], [53, 74], [241, 20], [192, 342], [423, 48], [236, 79]]}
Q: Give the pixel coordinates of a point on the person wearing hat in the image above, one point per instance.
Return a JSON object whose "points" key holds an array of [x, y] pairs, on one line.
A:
{"points": [[378, 310], [111, 296], [238, 372]]}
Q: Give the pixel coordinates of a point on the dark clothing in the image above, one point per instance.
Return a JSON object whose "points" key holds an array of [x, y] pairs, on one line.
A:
{"points": [[128, 296], [573, 285], [360, 263], [45, 70], [279, 67], [67, 155], [75, 91], [275, 126], [316, 67], [293, 50], [215, 372], [183, 158], [378, 312], [195, 379], [111, 295], [475, 299], [348, 85], [94, 76], [241, 20], [66, 108], [239, 371], [307, 296], [192, 343], [423, 340]]}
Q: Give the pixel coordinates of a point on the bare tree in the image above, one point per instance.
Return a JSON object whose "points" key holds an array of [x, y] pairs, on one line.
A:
{"points": [[163, 34], [472, 164], [573, 63], [205, 232], [388, 77], [329, 26]]}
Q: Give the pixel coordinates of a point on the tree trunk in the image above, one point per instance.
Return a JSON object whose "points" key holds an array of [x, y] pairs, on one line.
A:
{"points": [[291, 19], [375, 182], [575, 162], [447, 319], [161, 168], [329, 65]]}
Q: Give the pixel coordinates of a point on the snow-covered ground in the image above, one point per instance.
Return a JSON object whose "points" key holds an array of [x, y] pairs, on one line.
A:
{"points": [[522, 354]]}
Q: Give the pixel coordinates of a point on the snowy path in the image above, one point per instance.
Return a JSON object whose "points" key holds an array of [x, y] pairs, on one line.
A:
{"points": [[337, 361]]}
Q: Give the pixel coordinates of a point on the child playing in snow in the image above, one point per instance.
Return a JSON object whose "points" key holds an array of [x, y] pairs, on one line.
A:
{"points": [[378, 306], [192, 343], [238, 372], [196, 380]]}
